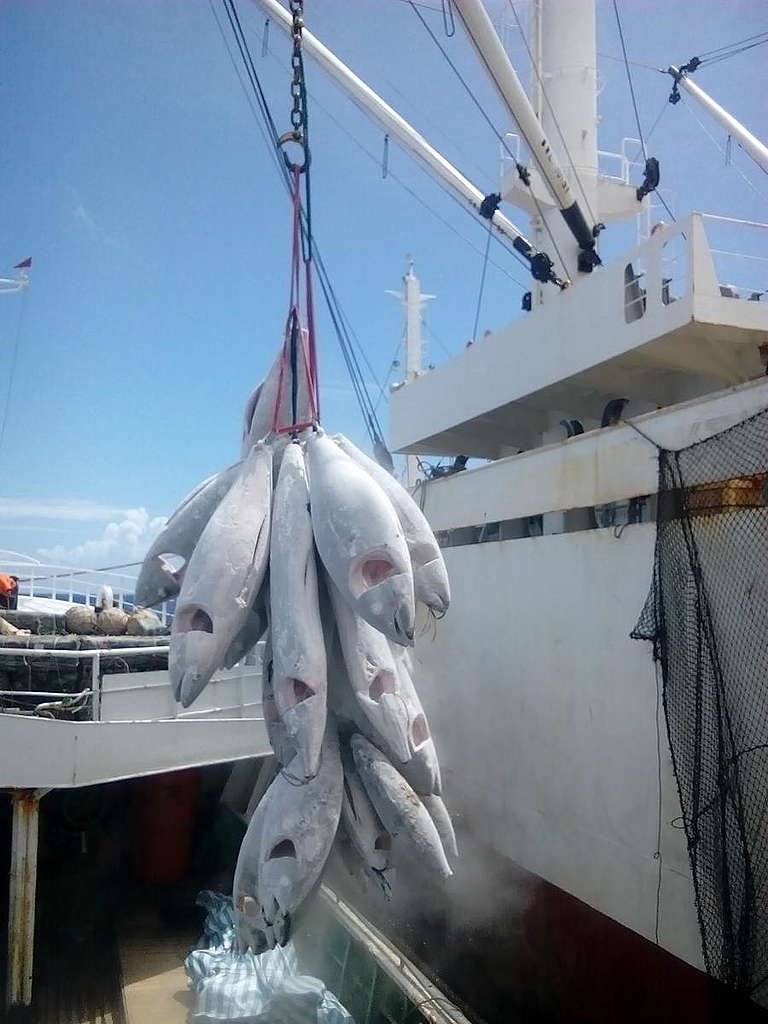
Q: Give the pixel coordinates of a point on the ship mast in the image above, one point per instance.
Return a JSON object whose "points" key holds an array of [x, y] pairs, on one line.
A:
{"points": [[413, 301]]}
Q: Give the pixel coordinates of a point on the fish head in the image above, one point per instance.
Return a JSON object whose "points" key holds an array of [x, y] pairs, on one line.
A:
{"points": [[194, 655], [386, 710], [305, 723], [158, 581], [431, 585], [383, 592], [280, 881]]}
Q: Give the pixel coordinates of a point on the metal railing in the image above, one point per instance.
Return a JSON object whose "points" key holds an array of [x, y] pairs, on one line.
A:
{"points": [[76, 585], [52, 701]]}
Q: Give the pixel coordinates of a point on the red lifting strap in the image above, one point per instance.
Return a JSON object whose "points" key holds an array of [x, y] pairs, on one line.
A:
{"points": [[298, 360]]}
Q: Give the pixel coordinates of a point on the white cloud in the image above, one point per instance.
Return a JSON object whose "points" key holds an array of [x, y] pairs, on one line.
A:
{"points": [[123, 540], [75, 510]]}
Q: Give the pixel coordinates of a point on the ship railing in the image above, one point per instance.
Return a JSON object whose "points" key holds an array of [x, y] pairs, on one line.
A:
{"points": [[132, 695], [76, 585], [664, 268]]}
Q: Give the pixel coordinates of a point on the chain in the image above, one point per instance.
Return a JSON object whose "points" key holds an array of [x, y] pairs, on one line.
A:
{"points": [[298, 133]]}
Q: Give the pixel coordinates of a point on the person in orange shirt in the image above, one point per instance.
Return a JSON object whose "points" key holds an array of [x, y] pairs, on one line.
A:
{"points": [[9, 590]]}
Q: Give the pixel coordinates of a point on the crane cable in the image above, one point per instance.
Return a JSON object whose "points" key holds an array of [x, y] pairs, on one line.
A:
{"points": [[372, 424]]}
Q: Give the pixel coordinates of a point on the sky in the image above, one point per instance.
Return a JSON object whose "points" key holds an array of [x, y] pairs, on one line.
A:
{"points": [[135, 174]]}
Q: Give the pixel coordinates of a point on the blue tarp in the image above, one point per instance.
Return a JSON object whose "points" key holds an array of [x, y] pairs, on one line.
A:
{"points": [[235, 986]]}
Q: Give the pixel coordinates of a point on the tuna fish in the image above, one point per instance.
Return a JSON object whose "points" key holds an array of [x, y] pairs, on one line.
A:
{"points": [[402, 813], [299, 826], [252, 630], [372, 676], [253, 931], [260, 409], [430, 578], [422, 769], [438, 812], [222, 578], [298, 652], [279, 740], [158, 580], [360, 541], [366, 833]]}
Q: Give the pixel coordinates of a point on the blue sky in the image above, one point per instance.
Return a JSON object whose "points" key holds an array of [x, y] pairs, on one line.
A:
{"points": [[133, 172]]}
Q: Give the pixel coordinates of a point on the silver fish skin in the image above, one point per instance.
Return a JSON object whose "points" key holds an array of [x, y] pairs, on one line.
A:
{"points": [[299, 828], [422, 769], [253, 931], [298, 652], [430, 577], [277, 733], [252, 630], [372, 675], [366, 832], [222, 579], [259, 416], [438, 812], [360, 541], [400, 809], [158, 580]]}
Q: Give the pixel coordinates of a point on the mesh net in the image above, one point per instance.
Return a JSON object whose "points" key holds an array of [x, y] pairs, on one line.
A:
{"points": [[707, 615]]}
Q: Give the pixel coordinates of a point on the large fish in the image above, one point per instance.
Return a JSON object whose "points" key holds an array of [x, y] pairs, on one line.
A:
{"points": [[272, 400], [277, 733], [253, 931], [402, 813], [158, 580], [298, 830], [366, 833], [360, 541], [222, 579], [422, 768], [372, 677], [298, 651], [252, 630], [430, 578], [438, 812]]}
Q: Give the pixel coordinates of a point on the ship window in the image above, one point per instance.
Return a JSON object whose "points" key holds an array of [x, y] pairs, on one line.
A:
{"points": [[634, 293]]}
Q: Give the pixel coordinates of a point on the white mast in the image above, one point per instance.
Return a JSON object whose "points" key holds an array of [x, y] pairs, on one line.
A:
{"points": [[748, 142], [413, 301]]}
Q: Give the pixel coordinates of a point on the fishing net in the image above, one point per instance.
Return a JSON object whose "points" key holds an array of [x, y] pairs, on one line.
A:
{"points": [[707, 615]]}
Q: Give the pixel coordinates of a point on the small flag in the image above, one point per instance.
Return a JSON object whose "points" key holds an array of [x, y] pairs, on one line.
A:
{"points": [[24, 265]]}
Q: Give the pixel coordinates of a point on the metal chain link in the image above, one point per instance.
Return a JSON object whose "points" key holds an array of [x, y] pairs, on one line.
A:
{"points": [[298, 132]]}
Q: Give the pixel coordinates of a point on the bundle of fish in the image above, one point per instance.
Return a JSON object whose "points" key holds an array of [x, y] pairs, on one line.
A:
{"points": [[308, 541]]}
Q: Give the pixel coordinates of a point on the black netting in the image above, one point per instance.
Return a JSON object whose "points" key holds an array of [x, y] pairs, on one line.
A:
{"points": [[707, 615]]}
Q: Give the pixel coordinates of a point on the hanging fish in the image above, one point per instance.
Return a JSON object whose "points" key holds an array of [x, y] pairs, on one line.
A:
{"points": [[422, 769], [279, 740], [298, 829], [253, 931], [372, 676], [272, 402], [438, 812], [252, 630], [222, 578], [402, 813], [158, 580], [360, 540], [366, 832], [298, 651], [430, 577]]}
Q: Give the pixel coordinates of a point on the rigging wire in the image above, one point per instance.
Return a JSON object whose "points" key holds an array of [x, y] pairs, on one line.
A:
{"points": [[643, 146], [372, 423], [552, 112], [629, 79], [12, 370], [482, 284], [738, 42], [689, 107], [493, 128]]}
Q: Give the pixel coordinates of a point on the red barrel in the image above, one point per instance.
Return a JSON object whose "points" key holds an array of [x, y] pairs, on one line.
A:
{"points": [[165, 811]]}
